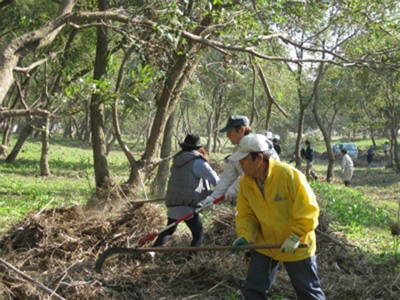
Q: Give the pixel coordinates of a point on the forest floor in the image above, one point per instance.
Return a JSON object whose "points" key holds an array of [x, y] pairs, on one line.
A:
{"points": [[58, 248]]}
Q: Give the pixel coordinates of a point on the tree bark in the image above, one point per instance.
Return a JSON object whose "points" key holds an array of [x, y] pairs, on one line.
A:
{"points": [[211, 116], [300, 127], [325, 133], [176, 80], [394, 142], [99, 144], [7, 134], [161, 179], [44, 159], [17, 48], [25, 133], [219, 108]]}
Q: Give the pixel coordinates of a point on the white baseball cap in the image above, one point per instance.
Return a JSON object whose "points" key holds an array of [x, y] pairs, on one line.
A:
{"points": [[249, 143]]}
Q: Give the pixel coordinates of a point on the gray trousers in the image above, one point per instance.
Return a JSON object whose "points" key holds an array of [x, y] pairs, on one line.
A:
{"points": [[303, 275]]}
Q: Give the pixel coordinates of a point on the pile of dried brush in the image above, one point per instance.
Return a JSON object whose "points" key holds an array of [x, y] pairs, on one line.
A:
{"points": [[58, 247]]}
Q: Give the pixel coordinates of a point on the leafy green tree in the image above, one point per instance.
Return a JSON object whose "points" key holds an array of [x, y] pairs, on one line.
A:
{"points": [[167, 41]]}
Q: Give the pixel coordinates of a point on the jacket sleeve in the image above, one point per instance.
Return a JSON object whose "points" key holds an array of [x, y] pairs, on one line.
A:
{"points": [[202, 169], [231, 173], [246, 221], [305, 206]]}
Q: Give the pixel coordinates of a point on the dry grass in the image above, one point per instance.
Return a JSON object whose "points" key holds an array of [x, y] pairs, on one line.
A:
{"points": [[58, 248]]}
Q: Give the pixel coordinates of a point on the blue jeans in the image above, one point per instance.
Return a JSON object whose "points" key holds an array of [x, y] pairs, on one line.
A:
{"points": [[195, 225], [262, 271]]}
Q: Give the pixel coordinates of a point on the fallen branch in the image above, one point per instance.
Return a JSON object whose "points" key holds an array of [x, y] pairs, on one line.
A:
{"points": [[337, 242], [147, 201], [52, 293]]}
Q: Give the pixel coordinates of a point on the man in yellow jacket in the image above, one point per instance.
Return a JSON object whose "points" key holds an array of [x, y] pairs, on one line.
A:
{"points": [[277, 206]]}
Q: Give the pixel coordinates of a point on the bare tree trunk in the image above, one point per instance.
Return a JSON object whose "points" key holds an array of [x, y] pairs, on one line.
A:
{"points": [[371, 134], [299, 136], [219, 108], [25, 133], [87, 126], [210, 113], [176, 80], [7, 134], [330, 121], [163, 169], [68, 129], [395, 151], [97, 111], [302, 108], [44, 159], [325, 132]]}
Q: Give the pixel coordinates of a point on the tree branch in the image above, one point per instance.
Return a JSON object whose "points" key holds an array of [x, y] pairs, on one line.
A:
{"points": [[7, 113], [271, 99], [26, 70], [52, 293]]}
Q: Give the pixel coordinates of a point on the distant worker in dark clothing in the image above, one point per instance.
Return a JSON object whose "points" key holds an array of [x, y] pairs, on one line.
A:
{"points": [[370, 154], [277, 147], [308, 155]]}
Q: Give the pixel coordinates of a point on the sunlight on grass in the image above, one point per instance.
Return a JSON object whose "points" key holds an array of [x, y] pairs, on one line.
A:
{"points": [[356, 215], [71, 181]]}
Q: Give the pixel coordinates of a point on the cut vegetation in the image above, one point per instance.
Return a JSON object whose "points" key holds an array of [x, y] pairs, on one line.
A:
{"points": [[50, 236]]}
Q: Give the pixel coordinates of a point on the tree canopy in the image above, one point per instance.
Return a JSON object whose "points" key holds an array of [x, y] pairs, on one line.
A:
{"points": [[201, 61]]}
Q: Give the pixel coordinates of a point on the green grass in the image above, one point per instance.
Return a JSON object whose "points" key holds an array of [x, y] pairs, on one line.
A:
{"points": [[71, 181], [364, 222], [349, 207], [362, 144]]}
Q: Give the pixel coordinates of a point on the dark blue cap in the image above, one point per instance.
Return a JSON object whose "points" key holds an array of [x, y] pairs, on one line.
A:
{"points": [[235, 121]]}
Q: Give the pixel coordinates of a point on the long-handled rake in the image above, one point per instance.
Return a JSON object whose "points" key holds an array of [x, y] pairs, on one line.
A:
{"points": [[157, 232], [116, 250]]}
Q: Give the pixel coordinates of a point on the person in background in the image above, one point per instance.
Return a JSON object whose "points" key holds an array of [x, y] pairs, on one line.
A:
{"points": [[385, 150], [276, 205], [277, 147], [236, 128], [347, 167], [308, 155], [370, 155], [189, 173]]}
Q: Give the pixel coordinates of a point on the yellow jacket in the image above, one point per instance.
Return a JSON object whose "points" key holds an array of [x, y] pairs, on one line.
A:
{"points": [[289, 206]]}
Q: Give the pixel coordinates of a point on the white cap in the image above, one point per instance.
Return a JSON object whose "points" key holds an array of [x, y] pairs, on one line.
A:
{"points": [[249, 143]]}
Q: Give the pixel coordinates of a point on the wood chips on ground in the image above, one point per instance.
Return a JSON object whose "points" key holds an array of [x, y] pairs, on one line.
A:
{"points": [[58, 248]]}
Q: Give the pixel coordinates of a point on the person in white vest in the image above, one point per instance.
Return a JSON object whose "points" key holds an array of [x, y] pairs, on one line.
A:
{"points": [[347, 167]]}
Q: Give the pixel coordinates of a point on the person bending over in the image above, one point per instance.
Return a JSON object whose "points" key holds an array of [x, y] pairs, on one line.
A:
{"points": [[276, 205]]}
